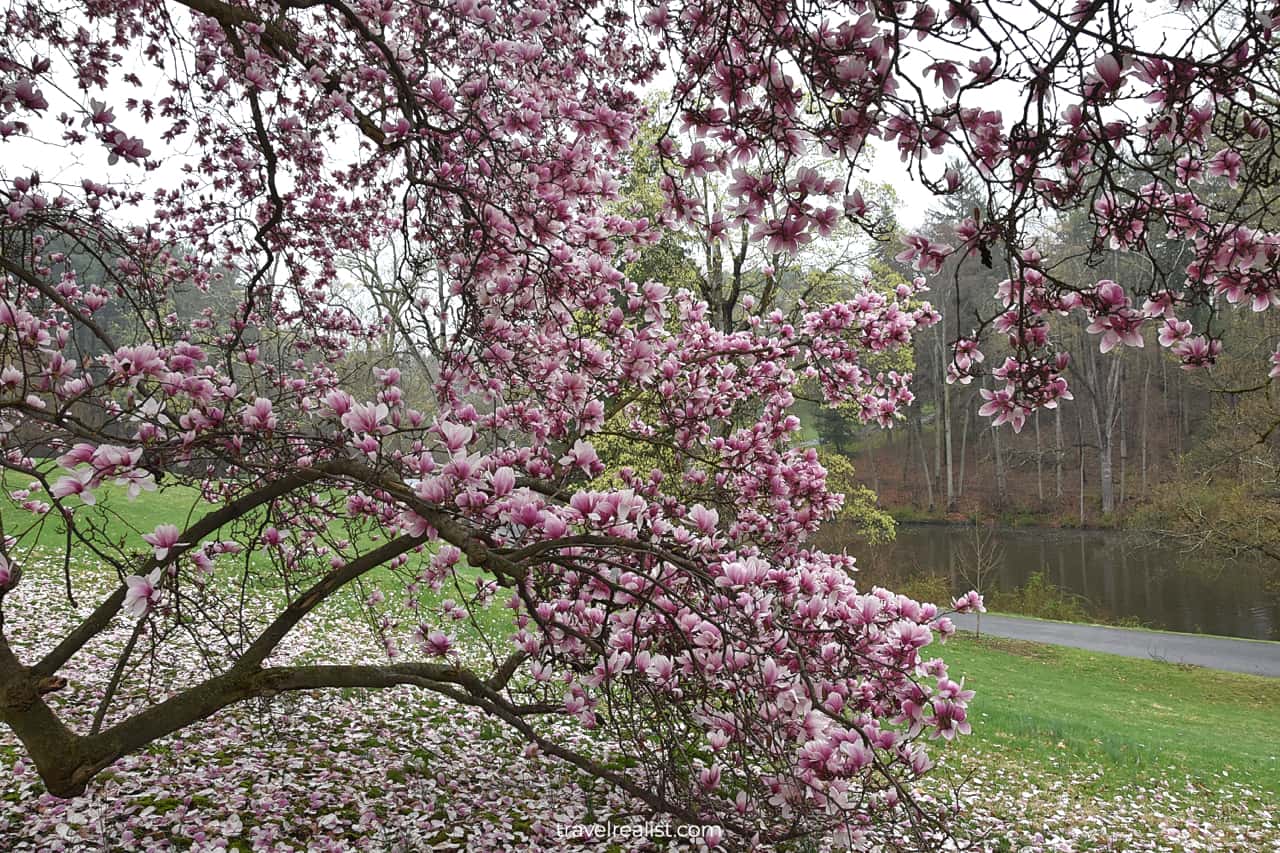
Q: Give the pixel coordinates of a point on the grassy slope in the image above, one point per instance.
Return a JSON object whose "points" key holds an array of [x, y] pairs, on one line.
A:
{"points": [[1065, 710]]}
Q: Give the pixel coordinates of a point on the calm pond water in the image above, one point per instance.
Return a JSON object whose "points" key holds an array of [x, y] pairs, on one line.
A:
{"points": [[1117, 575]]}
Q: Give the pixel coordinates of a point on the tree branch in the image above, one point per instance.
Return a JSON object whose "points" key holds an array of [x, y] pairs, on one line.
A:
{"points": [[96, 621]]}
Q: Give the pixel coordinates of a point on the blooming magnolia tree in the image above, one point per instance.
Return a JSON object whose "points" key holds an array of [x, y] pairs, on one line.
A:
{"points": [[160, 154]]}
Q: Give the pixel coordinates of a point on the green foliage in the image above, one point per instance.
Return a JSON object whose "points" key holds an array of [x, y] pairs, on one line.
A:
{"points": [[1040, 598], [834, 426], [668, 260], [1223, 517], [861, 510], [620, 448], [926, 587]]}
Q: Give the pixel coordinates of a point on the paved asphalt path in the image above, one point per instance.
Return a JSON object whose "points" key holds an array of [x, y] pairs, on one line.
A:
{"points": [[1252, 656]]}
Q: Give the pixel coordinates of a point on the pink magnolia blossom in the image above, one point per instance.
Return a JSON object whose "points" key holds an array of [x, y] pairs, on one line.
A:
{"points": [[142, 592], [923, 254], [455, 436], [136, 481], [1173, 331], [1226, 163], [367, 418], [504, 480], [583, 455], [259, 415], [163, 539], [1002, 408], [436, 643], [79, 483]]}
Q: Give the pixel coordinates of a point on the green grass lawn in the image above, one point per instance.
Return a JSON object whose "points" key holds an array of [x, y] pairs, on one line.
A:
{"points": [[118, 519], [1056, 707], [114, 513]]}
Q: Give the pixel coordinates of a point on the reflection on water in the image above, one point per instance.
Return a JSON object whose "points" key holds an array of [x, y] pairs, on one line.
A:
{"points": [[1119, 575]]}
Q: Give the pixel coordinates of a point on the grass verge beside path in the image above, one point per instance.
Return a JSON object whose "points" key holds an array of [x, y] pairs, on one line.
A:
{"points": [[1065, 710]]}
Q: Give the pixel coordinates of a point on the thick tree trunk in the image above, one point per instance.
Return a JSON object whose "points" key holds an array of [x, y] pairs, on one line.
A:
{"points": [[1146, 382], [1039, 461], [1080, 444], [924, 465], [1104, 394], [997, 454], [936, 482], [1106, 485], [1124, 446], [950, 461], [1059, 452]]}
